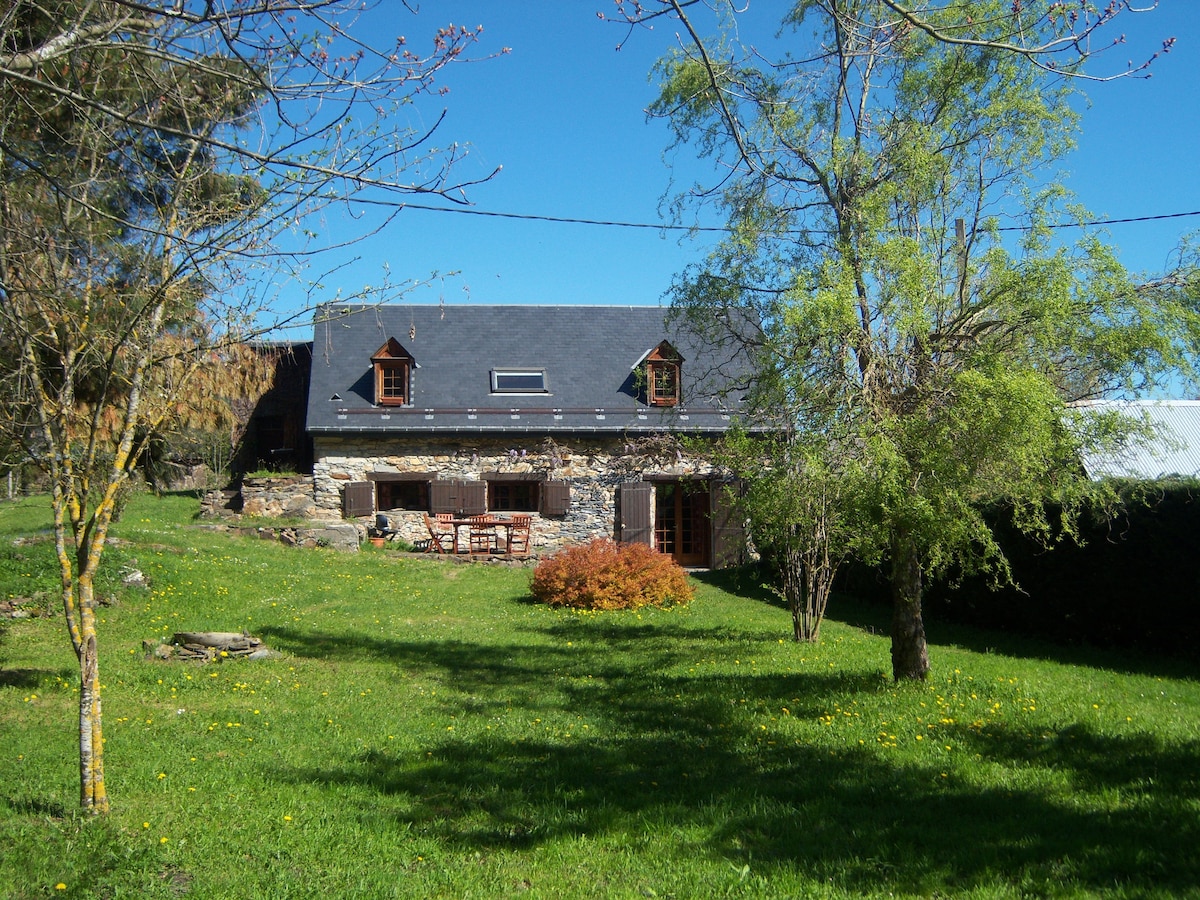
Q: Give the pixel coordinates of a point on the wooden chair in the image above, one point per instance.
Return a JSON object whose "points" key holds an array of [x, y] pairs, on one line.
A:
{"points": [[442, 539], [446, 521], [483, 534], [518, 535]]}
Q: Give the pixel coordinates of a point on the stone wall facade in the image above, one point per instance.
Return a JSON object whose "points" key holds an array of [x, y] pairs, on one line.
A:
{"points": [[594, 467]]}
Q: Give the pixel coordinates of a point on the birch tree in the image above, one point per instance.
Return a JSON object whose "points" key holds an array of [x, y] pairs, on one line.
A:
{"points": [[160, 167]]}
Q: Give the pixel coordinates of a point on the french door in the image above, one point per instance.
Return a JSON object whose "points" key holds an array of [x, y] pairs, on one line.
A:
{"points": [[681, 521]]}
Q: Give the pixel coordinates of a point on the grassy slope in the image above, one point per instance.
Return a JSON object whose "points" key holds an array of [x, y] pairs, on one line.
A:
{"points": [[428, 732]]}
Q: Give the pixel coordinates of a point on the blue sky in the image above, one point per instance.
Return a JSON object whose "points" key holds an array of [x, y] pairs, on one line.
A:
{"points": [[563, 113]]}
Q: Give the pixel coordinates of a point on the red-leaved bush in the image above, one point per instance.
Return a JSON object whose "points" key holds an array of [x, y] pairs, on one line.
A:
{"points": [[606, 575]]}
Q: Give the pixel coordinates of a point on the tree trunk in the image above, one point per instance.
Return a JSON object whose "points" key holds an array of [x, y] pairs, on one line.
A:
{"points": [[93, 795], [804, 593], [792, 582], [910, 657]]}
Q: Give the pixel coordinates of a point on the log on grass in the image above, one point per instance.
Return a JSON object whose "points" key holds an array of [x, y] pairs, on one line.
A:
{"points": [[218, 640]]}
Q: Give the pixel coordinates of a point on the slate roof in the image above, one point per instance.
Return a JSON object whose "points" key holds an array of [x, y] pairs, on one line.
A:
{"points": [[588, 353], [1175, 451]]}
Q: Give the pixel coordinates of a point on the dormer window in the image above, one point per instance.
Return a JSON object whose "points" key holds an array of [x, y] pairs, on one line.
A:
{"points": [[393, 374], [663, 374], [664, 383]]}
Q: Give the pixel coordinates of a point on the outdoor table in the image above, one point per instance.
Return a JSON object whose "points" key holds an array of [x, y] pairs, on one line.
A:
{"points": [[504, 522]]}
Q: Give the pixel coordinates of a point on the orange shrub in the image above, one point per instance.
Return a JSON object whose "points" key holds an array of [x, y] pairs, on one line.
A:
{"points": [[607, 575]]}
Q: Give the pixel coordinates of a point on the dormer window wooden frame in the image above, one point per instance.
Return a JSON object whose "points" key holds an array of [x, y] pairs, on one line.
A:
{"points": [[393, 367], [664, 374]]}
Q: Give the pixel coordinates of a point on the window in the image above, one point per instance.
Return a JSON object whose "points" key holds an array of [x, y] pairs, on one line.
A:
{"points": [[519, 381], [401, 490], [402, 495], [663, 375], [664, 383], [393, 370], [392, 383], [526, 492], [513, 496]]}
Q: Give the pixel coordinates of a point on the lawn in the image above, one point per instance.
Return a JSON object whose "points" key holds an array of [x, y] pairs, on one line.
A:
{"points": [[425, 730]]}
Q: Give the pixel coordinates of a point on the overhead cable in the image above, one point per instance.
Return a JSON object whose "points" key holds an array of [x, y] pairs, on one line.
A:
{"points": [[662, 226]]}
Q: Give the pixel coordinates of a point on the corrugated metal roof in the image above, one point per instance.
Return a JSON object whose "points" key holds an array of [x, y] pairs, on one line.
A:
{"points": [[1175, 451]]}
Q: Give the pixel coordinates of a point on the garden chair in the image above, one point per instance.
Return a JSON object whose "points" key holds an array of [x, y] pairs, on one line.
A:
{"points": [[483, 534], [518, 535], [443, 538]]}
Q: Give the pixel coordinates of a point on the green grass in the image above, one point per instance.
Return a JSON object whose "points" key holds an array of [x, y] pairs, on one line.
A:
{"points": [[427, 731]]}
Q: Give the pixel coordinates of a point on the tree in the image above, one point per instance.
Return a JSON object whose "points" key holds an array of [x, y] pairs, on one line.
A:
{"points": [[868, 171], [804, 506], [1053, 35], [153, 160], [208, 423]]}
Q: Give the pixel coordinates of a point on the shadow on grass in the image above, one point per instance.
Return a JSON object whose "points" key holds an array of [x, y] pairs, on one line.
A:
{"points": [[27, 679], [874, 617], [34, 807], [864, 602], [750, 582], [690, 765], [1113, 659]]}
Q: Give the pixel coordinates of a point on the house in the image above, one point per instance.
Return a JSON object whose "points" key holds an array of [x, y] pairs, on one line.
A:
{"points": [[1171, 451], [573, 414]]}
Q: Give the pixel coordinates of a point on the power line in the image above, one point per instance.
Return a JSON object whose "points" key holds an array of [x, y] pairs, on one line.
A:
{"points": [[662, 226], [562, 220], [1098, 222]]}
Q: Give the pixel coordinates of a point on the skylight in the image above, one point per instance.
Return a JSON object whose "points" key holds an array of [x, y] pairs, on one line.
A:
{"points": [[519, 381]]}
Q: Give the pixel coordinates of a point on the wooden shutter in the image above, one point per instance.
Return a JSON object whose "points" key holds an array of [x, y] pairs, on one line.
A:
{"points": [[472, 498], [442, 497], [459, 498], [633, 512], [728, 533], [556, 498], [358, 499]]}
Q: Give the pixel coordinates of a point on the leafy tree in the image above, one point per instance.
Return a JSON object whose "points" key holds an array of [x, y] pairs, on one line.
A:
{"points": [[869, 171], [208, 422], [1055, 36], [154, 161]]}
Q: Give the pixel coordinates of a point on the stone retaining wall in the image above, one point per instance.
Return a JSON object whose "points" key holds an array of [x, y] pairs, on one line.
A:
{"points": [[280, 497]]}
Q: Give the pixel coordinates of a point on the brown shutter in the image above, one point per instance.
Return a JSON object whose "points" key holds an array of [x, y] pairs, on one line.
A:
{"points": [[443, 498], [459, 498], [633, 512], [556, 498], [358, 499], [728, 533], [472, 498]]}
